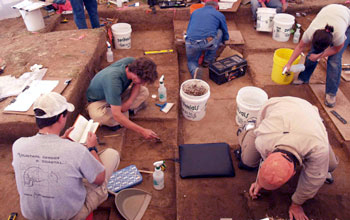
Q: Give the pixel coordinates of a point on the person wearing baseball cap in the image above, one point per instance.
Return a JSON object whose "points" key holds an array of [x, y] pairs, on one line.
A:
{"points": [[57, 178], [288, 134]]}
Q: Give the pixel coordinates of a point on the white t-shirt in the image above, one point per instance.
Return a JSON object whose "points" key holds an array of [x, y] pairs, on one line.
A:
{"points": [[334, 15], [49, 171]]}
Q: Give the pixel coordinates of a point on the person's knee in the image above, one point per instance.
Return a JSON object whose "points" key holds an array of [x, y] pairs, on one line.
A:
{"points": [[113, 154]]}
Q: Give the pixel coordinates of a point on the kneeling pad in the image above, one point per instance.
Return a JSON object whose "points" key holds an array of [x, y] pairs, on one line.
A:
{"points": [[205, 160]]}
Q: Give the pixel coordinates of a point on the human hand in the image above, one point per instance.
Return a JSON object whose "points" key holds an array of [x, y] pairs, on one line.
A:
{"points": [[149, 134], [254, 190], [296, 212], [66, 133], [315, 57], [91, 140], [286, 68]]}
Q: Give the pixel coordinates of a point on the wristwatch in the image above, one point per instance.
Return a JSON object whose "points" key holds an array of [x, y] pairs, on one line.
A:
{"points": [[93, 148]]}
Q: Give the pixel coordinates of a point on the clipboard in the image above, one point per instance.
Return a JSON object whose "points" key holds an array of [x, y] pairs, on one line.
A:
{"points": [[62, 84]]}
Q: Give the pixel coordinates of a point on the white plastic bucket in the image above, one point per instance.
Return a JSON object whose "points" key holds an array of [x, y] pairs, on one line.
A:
{"points": [[249, 101], [194, 107], [122, 35], [264, 20], [33, 19], [283, 24]]}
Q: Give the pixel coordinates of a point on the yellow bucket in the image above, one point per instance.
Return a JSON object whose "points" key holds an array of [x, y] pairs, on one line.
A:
{"points": [[280, 59]]}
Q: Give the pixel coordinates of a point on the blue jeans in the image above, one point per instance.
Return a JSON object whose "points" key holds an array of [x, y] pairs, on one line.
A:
{"points": [[79, 13], [334, 67], [255, 4], [194, 49]]}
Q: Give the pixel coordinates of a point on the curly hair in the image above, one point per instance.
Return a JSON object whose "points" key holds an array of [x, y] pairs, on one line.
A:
{"points": [[144, 68], [322, 38]]}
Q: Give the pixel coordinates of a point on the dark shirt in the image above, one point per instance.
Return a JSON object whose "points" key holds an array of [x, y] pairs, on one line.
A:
{"points": [[205, 22]]}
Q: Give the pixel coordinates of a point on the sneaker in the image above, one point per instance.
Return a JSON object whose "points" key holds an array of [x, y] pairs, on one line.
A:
{"points": [[198, 73], [298, 82], [329, 178], [137, 109], [114, 128], [330, 101]]}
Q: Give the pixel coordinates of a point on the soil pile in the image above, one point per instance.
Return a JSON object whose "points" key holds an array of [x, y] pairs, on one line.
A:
{"points": [[194, 89]]}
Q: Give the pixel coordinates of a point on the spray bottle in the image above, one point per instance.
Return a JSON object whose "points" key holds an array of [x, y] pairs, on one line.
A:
{"points": [[158, 175], [109, 53], [162, 90], [296, 36]]}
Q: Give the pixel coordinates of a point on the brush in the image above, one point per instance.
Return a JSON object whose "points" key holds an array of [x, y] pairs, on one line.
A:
{"points": [[165, 107]]}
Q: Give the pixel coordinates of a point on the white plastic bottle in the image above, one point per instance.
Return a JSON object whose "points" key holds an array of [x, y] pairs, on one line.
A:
{"points": [[296, 36], [162, 90], [158, 176], [297, 68], [109, 53]]}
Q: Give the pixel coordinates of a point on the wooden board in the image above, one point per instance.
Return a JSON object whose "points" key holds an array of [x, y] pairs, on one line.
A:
{"points": [[235, 37], [342, 107], [234, 8], [59, 89]]}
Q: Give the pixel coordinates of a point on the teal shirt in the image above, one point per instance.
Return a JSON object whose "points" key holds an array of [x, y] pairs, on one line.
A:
{"points": [[110, 83]]}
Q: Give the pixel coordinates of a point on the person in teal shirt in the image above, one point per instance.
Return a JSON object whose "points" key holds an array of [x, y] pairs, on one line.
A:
{"points": [[118, 90]]}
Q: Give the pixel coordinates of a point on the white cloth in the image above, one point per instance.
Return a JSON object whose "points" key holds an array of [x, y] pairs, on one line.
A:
{"points": [[334, 15]]}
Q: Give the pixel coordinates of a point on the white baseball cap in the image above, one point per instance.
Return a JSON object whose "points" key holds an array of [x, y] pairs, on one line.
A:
{"points": [[52, 104]]}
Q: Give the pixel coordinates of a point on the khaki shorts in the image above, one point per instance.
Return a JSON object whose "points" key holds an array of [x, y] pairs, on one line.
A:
{"points": [[101, 112]]}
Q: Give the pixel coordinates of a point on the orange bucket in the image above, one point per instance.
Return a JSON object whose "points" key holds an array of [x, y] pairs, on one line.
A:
{"points": [[195, 6]]}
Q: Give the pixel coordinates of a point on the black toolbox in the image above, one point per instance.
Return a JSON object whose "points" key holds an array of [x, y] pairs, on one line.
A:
{"points": [[227, 69]]}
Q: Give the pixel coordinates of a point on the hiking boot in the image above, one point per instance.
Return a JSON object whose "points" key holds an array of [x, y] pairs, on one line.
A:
{"points": [[330, 101], [134, 111], [329, 178], [298, 81], [198, 73]]}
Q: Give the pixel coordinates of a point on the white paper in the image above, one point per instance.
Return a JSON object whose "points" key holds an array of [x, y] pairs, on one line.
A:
{"points": [[28, 97], [12, 86]]}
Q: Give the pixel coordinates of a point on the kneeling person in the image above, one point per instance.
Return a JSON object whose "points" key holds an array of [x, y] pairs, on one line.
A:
{"points": [[110, 98], [289, 132], [57, 178]]}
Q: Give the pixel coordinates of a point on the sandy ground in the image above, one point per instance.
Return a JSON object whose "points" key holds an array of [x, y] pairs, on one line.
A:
{"points": [[57, 48]]}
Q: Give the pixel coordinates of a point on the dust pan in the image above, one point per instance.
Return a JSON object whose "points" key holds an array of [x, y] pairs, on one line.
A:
{"points": [[132, 203]]}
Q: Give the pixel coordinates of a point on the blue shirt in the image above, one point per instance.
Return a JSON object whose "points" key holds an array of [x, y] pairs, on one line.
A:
{"points": [[110, 83], [205, 22]]}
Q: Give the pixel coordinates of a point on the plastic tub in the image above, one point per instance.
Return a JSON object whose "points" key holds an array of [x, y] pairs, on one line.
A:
{"points": [[249, 100], [264, 20], [280, 59], [282, 25], [122, 35], [194, 107]]}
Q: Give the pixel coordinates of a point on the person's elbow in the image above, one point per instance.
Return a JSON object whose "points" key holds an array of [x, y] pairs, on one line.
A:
{"points": [[100, 178]]}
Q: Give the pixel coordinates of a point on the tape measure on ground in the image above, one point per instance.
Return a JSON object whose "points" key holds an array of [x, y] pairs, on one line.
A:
{"points": [[158, 51]]}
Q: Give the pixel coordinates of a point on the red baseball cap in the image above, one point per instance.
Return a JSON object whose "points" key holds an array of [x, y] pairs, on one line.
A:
{"points": [[275, 171]]}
